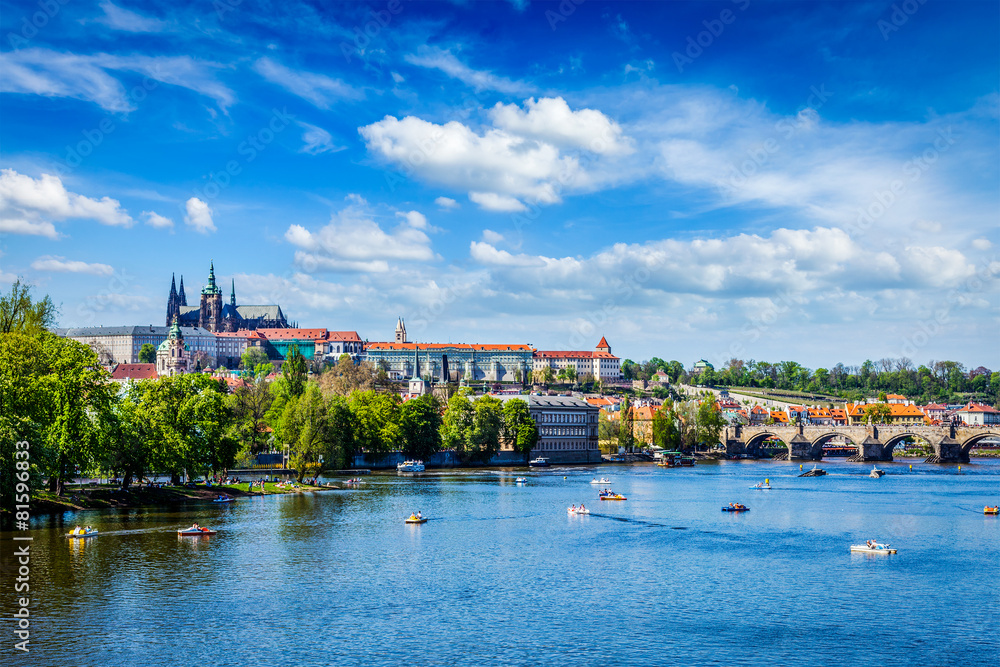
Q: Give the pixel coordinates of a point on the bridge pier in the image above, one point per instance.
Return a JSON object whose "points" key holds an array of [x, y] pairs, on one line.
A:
{"points": [[948, 450], [872, 449], [802, 449], [735, 448]]}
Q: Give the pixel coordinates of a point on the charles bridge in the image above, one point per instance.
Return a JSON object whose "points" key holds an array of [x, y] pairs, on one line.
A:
{"points": [[874, 442]]}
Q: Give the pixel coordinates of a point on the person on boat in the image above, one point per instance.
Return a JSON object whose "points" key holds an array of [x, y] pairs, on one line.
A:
{"points": [[572, 508], [582, 508], [419, 515]]}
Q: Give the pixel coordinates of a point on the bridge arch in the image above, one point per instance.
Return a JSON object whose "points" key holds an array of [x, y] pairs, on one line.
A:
{"points": [[968, 443], [755, 442], [819, 441], [892, 441]]}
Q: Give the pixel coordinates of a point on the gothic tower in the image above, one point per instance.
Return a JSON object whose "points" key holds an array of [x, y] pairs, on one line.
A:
{"points": [[232, 295], [182, 300], [400, 331], [210, 311], [172, 302]]}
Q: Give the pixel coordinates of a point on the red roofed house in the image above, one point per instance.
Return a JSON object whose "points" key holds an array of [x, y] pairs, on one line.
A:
{"points": [[758, 415], [124, 372], [600, 363], [979, 415]]}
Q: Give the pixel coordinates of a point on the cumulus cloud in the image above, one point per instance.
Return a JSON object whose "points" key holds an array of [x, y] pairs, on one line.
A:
{"points": [[520, 160], [354, 241], [59, 264], [29, 205], [154, 219], [443, 60], [981, 244], [198, 215], [446, 203], [319, 89], [551, 120], [492, 237]]}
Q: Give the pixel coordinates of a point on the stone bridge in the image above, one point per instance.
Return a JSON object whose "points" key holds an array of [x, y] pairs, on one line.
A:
{"points": [[875, 442]]}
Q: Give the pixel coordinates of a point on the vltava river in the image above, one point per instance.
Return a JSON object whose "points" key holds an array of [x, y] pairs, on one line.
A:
{"points": [[501, 575]]}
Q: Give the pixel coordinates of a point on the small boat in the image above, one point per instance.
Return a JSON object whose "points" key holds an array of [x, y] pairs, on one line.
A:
{"points": [[539, 462], [413, 518], [83, 533], [521, 480], [603, 480], [736, 507], [986, 510], [196, 532], [765, 486], [815, 472], [410, 466], [223, 499], [876, 473], [873, 548], [577, 510], [613, 496]]}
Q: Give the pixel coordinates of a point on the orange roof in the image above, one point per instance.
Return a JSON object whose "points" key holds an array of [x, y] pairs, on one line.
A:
{"points": [[134, 371], [603, 343], [975, 407], [898, 410], [601, 400], [242, 333], [563, 355], [779, 416], [797, 408], [349, 336], [888, 396], [757, 410], [449, 346]]}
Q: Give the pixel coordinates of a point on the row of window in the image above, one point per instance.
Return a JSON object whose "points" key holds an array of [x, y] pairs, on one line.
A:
{"points": [[562, 430], [566, 444]]}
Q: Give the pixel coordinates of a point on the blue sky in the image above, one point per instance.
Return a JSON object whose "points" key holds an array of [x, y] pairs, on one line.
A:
{"points": [[764, 180]]}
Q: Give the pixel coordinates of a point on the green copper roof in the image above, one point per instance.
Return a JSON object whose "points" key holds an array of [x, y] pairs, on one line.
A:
{"points": [[211, 287]]}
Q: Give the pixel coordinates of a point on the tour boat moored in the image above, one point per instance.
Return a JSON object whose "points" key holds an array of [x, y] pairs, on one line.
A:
{"points": [[539, 462], [410, 466]]}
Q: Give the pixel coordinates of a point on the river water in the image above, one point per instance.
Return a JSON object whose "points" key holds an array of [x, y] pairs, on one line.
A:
{"points": [[502, 575]]}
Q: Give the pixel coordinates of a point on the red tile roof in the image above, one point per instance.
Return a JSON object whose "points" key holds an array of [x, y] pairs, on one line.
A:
{"points": [[451, 346], [348, 336], [975, 407], [134, 371], [301, 334], [603, 343]]}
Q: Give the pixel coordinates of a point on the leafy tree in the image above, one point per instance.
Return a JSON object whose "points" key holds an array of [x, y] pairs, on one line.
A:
{"points": [[340, 446], [346, 377], [666, 433], [457, 423], [710, 423], [626, 433], [306, 429], [252, 358], [295, 371], [147, 354], [376, 422], [20, 314], [250, 402], [877, 413], [519, 428], [420, 425], [484, 437]]}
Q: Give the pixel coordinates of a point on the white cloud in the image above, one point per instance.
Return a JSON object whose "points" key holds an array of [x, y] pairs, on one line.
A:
{"points": [[28, 205], [444, 60], [397, 77], [123, 19], [59, 264], [551, 120], [491, 201], [353, 241], [492, 237], [316, 140], [199, 216], [319, 89], [53, 74], [154, 219], [446, 203], [981, 244]]}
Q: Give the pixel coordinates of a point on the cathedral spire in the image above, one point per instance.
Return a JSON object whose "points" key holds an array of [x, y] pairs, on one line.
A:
{"points": [[211, 287], [173, 284], [181, 299], [232, 295]]}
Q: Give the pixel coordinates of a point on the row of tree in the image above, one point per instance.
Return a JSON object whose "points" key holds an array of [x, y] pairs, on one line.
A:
{"points": [[942, 381]]}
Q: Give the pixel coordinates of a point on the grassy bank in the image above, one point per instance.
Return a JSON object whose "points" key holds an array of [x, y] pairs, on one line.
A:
{"points": [[109, 497]]}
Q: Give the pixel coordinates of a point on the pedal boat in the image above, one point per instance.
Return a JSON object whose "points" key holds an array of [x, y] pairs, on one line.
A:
{"points": [[82, 534], [577, 510], [614, 496], [986, 510], [877, 548], [227, 499], [413, 518], [196, 532], [736, 508]]}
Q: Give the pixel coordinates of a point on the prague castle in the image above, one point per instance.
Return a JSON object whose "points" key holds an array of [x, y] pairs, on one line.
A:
{"points": [[213, 315]]}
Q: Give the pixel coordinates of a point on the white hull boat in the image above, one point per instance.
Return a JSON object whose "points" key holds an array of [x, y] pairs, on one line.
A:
{"points": [[410, 466], [600, 481], [876, 548], [577, 510]]}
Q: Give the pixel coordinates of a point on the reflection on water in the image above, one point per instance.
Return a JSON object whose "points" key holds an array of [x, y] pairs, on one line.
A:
{"points": [[502, 574]]}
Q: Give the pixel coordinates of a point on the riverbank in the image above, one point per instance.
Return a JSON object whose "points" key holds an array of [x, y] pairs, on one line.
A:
{"points": [[112, 497]]}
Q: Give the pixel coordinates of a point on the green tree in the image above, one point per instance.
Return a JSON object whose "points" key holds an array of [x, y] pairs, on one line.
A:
{"points": [[666, 433], [420, 426], [252, 358], [147, 354], [626, 433], [710, 423], [456, 424], [376, 422], [295, 371], [519, 428], [487, 423], [250, 401], [306, 429], [20, 314], [877, 413]]}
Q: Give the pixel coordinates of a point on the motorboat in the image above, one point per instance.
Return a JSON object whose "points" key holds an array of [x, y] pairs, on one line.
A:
{"points": [[876, 473], [613, 496], [735, 507], [872, 548], [577, 510], [539, 462], [196, 531], [986, 510], [78, 533], [603, 480], [410, 466], [413, 518]]}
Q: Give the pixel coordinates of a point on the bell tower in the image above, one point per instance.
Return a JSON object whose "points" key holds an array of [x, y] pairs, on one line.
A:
{"points": [[400, 331], [210, 312]]}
